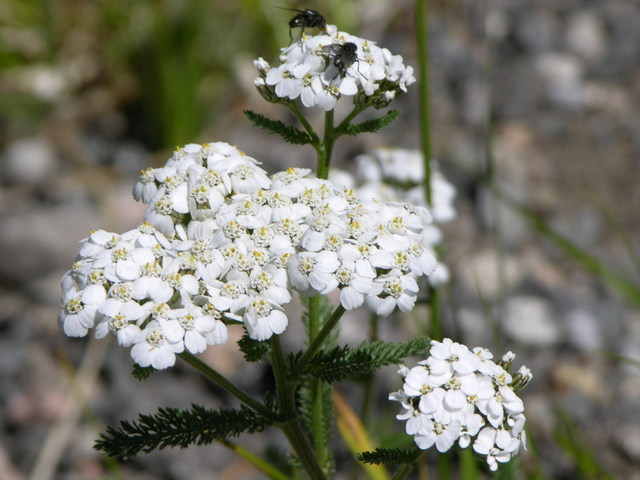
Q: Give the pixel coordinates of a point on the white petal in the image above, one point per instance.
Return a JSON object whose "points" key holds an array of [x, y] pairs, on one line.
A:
{"points": [[194, 342], [127, 270], [350, 298]]}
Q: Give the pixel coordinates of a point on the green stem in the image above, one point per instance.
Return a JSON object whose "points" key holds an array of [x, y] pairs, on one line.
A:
{"points": [[368, 390], [423, 87], [298, 440], [314, 317], [318, 418], [491, 178], [265, 467], [444, 466], [222, 381], [317, 342], [344, 123], [434, 308], [324, 158], [422, 39], [305, 123], [468, 465], [317, 403], [285, 388]]}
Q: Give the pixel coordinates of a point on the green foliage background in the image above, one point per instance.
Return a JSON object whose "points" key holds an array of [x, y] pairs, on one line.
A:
{"points": [[170, 65]]}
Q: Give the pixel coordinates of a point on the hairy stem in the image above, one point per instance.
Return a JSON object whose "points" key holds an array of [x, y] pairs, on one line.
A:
{"points": [[369, 384], [345, 123], [318, 340], [422, 40], [285, 388], [423, 88], [324, 159], [222, 381], [317, 408], [305, 123]]}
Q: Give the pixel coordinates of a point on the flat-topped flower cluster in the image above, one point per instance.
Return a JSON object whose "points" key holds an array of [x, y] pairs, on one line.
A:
{"points": [[225, 243], [397, 175], [319, 69], [458, 395]]}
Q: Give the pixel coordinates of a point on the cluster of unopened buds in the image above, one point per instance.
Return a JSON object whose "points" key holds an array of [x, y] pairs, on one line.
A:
{"points": [[319, 69], [462, 396], [224, 243]]}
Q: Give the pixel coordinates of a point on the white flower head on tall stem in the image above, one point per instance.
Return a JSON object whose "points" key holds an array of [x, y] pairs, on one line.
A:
{"points": [[222, 233], [321, 68], [462, 399]]}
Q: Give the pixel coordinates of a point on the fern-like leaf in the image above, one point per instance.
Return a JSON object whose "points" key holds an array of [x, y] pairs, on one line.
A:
{"points": [[389, 456], [288, 133], [173, 427], [142, 373], [253, 350], [373, 125], [345, 362]]}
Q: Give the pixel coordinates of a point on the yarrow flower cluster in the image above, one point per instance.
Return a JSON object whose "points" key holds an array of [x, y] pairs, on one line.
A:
{"points": [[397, 175], [225, 243], [320, 69], [462, 396]]}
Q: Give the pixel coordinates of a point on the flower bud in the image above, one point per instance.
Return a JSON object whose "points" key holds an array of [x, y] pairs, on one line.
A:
{"points": [[507, 360]]}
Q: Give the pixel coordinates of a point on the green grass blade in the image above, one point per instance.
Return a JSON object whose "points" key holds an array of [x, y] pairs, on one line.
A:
{"points": [[620, 358], [623, 285], [571, 440]]}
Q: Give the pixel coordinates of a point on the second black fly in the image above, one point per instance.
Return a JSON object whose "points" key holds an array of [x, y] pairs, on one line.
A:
{"points": [[343, 55]]}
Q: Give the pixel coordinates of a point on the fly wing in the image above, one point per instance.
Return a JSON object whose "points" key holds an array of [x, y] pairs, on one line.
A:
{"points": [[331, 51]]}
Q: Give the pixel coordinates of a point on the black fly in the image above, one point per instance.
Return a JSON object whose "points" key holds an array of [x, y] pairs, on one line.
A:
{"points": [[306, 19], [343, 55]]}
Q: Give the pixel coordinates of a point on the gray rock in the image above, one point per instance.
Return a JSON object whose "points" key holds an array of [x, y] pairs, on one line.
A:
{"points": [[627, 438], [531, 321], [482, 274], [563, 76], [584, 227], [33, 242], [130, 158], [538, 30], [583, 330], [475, 327], [512, 228], [630, 346], [29, 161], [585, 36]]}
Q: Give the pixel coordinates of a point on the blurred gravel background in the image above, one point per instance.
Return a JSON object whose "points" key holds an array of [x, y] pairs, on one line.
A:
{"points": [[92, 92]]}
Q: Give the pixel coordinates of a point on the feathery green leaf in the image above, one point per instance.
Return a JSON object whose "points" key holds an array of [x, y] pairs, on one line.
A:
{"points": [[389, 456], [142, 373], [373, 125], [345, 362], [288, 133], [253, 350], [173, 427]]}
